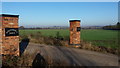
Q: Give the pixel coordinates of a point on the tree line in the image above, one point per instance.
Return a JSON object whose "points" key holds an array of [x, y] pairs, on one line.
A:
{"points": [[108, 27], [112, 27]]}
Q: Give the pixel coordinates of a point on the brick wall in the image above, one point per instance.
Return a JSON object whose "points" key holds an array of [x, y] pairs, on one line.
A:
{"points": [[74, 34], [10, 44], [0, 35]]}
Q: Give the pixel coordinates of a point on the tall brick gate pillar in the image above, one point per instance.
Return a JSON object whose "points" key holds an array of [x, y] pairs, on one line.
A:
{"points": [[9, 34], [75, 32]]}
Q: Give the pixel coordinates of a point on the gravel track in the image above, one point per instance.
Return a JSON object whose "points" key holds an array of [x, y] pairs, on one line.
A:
{"points": [[71, 56]]}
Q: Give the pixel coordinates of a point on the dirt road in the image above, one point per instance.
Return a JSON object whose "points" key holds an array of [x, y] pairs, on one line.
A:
{"points": [[71, 56]]}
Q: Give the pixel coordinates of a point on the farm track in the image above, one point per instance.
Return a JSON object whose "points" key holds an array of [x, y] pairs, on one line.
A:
{"points": [[71, 56]]}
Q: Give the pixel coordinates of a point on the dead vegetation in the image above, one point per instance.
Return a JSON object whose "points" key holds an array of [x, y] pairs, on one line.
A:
{"points": [[28, 61], [90, 46]]}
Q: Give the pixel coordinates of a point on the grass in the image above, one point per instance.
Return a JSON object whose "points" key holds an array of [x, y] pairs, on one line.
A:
{"points": [[98, 37], [106, 38], [46, 32]]}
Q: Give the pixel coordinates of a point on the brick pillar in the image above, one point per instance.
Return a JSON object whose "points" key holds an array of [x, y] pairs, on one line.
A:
{"points": [[75, 32], [9, 34], [0, 35]]}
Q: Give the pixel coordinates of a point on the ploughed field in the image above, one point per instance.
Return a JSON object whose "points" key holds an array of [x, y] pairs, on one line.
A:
{"points": [[97, 37]]}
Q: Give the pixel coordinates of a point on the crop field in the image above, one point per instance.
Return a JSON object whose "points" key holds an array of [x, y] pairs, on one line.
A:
{"points": [[98, 37]]}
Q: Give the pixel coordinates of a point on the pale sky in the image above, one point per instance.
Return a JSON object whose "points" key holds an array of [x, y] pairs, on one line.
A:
{"points": [[59, 13]]}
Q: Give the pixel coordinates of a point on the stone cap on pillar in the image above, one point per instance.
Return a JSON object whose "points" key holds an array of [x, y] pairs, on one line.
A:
{"points": [[74, 20], [8, 15]]}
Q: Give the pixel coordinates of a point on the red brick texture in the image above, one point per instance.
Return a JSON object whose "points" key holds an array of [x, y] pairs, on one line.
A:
{"points": [[74, 34], [0, 35], [9, 44]]}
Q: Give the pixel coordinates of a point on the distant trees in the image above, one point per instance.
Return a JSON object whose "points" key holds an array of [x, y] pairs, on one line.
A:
{"points": [[54, 27], [118, 23], [21, 27], [112, 27]]}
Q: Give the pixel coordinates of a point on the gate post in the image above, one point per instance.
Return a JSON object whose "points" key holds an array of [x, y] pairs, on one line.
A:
{"points": [[9, 34], [75, 32]]}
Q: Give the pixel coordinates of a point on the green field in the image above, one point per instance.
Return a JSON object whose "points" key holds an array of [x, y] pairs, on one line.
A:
{"points": [[98, 37]]}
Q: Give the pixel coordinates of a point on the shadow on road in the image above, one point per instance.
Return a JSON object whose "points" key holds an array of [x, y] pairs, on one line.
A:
{"points": [[23, 45], [39, 61], [75, 60]]}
